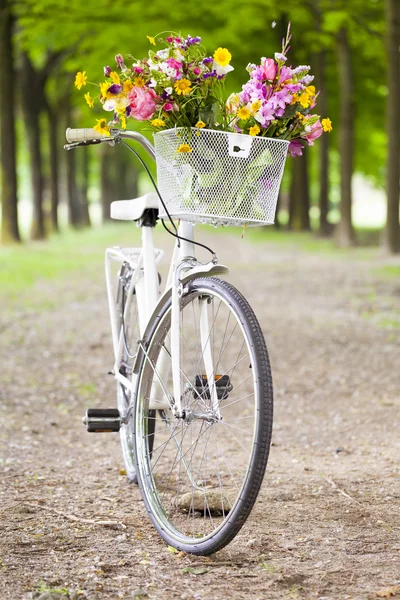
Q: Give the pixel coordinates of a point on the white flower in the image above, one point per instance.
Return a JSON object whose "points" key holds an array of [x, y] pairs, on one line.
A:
{"points": [[115, 104], [233, 103], [169, 71], [280, 57], [168, 90], [178, 55], [163, 53], [221, 70], [152, 83], [154, 66]]}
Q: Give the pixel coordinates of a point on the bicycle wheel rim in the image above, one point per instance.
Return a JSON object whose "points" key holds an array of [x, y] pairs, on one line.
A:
{"points": [[179, 515]]}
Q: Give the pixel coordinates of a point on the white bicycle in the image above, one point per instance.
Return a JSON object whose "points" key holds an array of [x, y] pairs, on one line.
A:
{"points": [[194, 386]]}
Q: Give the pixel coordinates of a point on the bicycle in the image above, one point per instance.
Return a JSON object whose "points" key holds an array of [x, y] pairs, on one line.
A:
{"points": [[194, 386]]}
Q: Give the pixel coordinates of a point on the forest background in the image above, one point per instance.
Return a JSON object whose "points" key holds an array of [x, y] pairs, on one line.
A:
{"points": [[348, 180]]}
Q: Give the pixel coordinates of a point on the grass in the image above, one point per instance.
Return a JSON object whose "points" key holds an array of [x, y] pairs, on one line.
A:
{"points": [[73, 251], [23, 266]]}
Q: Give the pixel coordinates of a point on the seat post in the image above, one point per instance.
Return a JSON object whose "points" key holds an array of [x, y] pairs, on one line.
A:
{"points": [[150, 278]]}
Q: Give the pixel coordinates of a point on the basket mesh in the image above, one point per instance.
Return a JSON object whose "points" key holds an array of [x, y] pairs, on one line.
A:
{"points": [[226, 178]]}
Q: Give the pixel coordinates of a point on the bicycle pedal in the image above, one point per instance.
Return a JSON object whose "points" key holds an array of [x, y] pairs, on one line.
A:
{"points": [[222, 385], [102, 420]]}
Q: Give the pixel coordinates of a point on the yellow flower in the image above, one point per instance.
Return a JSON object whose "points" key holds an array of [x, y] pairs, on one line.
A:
{"points": [[310, 90], [255, 130], [304, 100], [300, 117], [89, 100], [139, 81], [122, 118], [127, 86], [255, 107], [326, 124], [200, 124], [243, 113], [102, 127], [183, 87], [222, 57], [151, 40], [184, 148], [158, 123], [103, 88], [80, 79], [115, 77]]}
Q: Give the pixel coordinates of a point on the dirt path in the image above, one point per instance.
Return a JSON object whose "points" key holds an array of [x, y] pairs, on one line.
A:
{"points": [[327, 523]]}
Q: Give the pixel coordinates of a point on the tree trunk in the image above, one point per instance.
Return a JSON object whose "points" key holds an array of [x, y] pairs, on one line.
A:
{"points": [[54, 171], [9, 206], [32, 103], [299, 199], [392, 233], [106, 184], [74, 206], [84, 187], [323, 143], [344, 232]]}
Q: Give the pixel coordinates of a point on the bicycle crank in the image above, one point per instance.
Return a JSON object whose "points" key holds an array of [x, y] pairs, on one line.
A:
{"points": [[102, 420]]}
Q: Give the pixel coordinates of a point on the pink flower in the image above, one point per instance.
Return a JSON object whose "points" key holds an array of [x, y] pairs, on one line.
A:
{"points": [[169, 39], [119, 59], [196, 71], [142, 103], [295, 148], [316, 131], [269, 68], [174, 64], [168, 106], [138, 70]]}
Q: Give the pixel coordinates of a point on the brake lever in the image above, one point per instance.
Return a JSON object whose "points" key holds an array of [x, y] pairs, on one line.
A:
{"points": [[74, 145]]}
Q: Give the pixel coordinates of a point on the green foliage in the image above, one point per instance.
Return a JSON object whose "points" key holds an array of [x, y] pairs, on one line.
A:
{"points": [[89, 34]]}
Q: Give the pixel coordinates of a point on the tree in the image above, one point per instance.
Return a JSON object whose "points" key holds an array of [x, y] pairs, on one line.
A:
{"points": [[9, 206], [392, 236], [345, 233]]}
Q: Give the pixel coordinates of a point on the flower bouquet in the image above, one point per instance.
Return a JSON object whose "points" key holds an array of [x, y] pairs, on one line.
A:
{"points": [[218, 160]]}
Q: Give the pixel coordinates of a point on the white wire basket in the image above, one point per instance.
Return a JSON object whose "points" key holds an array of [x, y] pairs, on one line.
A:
{"points": [[224, 178]]}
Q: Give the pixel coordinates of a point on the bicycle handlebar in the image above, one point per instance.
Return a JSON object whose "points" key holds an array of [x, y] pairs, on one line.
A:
{"points": [[86, 135], [82, 135]]}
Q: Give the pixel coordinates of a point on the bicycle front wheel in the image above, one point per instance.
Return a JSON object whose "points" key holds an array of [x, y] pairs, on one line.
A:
{"points": [[201, 477]]}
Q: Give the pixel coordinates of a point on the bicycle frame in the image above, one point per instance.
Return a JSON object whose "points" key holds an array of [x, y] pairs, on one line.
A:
{"points": [[144, 280]]}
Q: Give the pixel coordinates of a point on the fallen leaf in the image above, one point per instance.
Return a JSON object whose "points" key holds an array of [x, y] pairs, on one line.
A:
{"points": [[388, 592], [195, 571], [173, 550], [122, 472]]}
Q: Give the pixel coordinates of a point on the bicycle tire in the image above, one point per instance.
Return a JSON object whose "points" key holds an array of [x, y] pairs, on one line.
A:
{"points": [[174, 497]]}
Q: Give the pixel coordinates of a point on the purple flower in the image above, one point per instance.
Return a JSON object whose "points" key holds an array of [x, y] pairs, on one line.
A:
{"points": [[114, 89], [285, 75], [212, 74], [119, 59], [253, 90], [107, 71], [208, 60], [266, 114], [190, 41], [295, 148], [128, 111], [280, 99], [307, 79]]}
